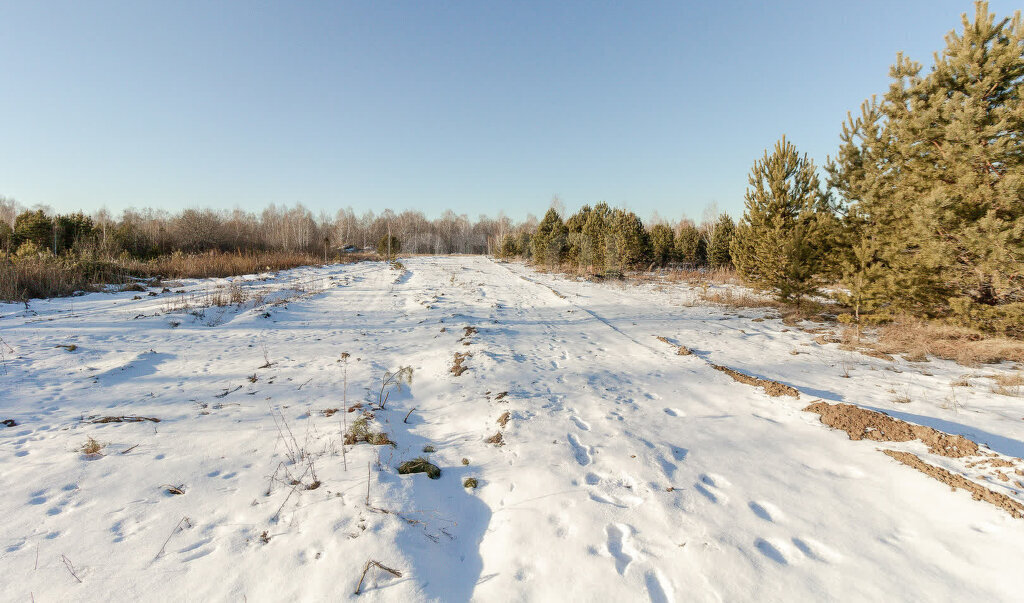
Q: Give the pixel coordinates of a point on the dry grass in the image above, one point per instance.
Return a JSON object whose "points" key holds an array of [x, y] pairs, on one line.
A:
{"points": [[1008, 384], [1009, 379], [711, 276], [92, 448], [216, 264], [916, 340], [44, 276], [738, 298]]}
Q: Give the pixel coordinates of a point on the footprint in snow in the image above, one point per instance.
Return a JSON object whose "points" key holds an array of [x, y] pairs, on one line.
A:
{"points": [[674, 412], [607, 500], [817, 551], [709, 487], [771, 551], [712, 495], [619, 546], [658, 591], [580, 423], [765, 510], [618, 492], [715, 480], [667, 467], [581, 452]]}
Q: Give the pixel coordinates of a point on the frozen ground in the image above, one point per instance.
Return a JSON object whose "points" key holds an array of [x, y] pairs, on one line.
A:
{"points": [[627, 472]]}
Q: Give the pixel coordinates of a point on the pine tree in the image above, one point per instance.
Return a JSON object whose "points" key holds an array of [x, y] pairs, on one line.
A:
{"points": [[388, 246], [72, 229], [592, 240], [936, 173], [690, 247], [551, 240], [34, 227], [509, 248], [782, 241], [575, 238], [626, 242], [719, 252], [524, 245], [662, 243]]}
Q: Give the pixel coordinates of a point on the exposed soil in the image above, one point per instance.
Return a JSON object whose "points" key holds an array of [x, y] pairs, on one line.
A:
{"points": [[123, 419], [861, 424], [978, 492], [504, 418], [497, 439], [876, 354], [772, 388], [457, 367], [682, 351]]}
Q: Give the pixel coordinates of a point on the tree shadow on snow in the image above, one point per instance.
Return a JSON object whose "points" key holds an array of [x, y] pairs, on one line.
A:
{"points": [[443, 534]]}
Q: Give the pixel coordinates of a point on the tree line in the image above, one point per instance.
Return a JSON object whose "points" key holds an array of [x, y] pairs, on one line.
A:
{"points": [[150, 233], [921, 212], [603, 240]]}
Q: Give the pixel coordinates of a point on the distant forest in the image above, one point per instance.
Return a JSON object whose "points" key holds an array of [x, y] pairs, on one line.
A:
{"points": [[148, 233]]}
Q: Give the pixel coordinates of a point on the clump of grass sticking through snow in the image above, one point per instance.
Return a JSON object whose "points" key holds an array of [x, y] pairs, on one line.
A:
{"points": [[420, 465], [92, 448]]}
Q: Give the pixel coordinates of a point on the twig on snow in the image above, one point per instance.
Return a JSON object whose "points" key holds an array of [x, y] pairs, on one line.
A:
{"points": [[227, 391], [71, 568], [177, 528], [367, 567]]}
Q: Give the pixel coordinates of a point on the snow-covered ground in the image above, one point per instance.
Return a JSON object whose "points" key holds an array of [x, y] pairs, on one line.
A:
{"points": [[627, 472]]}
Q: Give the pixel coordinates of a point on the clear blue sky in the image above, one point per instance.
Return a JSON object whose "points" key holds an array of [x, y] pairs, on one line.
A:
{"points": [[473, 106]]}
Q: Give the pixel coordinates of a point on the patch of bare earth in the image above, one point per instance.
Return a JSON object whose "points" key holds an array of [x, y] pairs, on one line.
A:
{"points": [[861, 424], [682, 349], [457, 366], [772, 388], [954, 481]]}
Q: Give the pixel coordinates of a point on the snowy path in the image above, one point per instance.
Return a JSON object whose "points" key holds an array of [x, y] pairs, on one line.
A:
{"points": [[627, 472]]}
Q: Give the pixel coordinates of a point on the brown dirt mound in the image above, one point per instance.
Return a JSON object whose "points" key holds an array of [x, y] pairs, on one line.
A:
{"points": [[496, 439], [123, 419], [772, 388], [504, 418], [861, 424], [682, 351], [977, 491], [457, 368]]}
